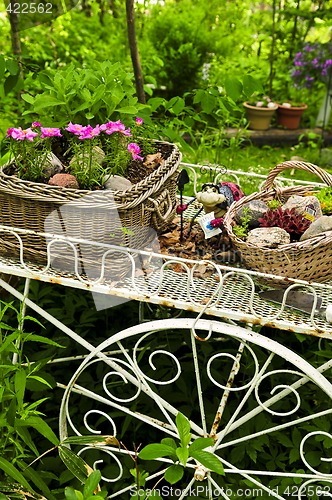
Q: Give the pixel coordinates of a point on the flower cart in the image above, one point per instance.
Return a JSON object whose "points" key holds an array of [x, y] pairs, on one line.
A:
{"points": [[182, 380]]}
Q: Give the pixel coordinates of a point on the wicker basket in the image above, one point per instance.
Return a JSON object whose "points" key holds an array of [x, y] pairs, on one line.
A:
{"points": [[308, 260], [98, 216]]}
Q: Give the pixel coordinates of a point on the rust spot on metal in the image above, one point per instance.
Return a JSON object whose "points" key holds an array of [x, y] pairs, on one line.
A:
{"points": [[215, 426], [56, 281]]}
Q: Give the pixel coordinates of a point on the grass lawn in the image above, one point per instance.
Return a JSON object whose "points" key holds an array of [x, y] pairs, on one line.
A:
{"points": [[262, 159]]}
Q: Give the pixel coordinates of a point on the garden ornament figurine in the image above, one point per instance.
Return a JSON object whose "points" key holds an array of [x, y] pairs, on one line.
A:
{"points": [[216, 198]]}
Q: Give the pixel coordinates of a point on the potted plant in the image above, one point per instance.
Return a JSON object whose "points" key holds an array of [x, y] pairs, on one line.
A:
{"points": [[289, 114], [259, 113], [104, 183]]}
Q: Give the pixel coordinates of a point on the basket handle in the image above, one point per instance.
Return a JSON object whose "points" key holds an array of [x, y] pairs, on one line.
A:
{"points": [[308, 167], [162, 209]]}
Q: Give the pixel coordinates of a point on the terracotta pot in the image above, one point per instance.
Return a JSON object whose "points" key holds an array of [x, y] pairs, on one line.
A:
{"points": [[290, 116], [259, 118]]}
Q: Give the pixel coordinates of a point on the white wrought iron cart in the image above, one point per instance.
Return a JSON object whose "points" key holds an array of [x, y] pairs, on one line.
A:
{"points": [[230, 373]]}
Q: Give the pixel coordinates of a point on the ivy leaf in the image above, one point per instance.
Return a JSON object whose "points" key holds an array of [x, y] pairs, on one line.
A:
{"points": [[209, 461], [174, 473], [155, 450], [183, 427]]}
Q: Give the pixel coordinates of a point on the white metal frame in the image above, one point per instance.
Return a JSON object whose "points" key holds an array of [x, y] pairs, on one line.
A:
{"points": [[226, 293]]}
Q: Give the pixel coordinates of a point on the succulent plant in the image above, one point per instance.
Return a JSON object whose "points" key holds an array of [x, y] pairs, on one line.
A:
{"points": [[295, 224]]}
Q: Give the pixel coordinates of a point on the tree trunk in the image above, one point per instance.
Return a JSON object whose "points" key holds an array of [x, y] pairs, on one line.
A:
{"points": [[16, 41], [134, 51]]}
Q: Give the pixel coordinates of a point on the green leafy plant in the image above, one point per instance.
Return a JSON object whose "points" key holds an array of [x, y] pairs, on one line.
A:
{"points": [[183, 452], [325, 198], [89, 489], [103, 91], [241, 230], [20, 417]]}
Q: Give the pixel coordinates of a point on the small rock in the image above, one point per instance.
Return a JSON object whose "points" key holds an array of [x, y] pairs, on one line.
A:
{"points": [[308, 206], [52, 166], [268, 237], [64, 180], [255, 209], [319, 226], [97, 157], [117, 183]]}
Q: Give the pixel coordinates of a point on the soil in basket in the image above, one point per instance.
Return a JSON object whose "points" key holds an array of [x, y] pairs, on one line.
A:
{"points": [[194, 246], [136, 170]]}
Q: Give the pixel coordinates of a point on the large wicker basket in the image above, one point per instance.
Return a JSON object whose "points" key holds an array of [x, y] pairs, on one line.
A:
{"points": [[308, 260], [122, 218]]}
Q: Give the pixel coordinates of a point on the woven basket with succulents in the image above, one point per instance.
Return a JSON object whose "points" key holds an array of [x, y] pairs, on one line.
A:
{"points": [[283, 230], [83, 182]]}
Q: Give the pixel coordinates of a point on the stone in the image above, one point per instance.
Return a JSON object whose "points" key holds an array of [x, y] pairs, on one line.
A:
{"points": [[268, 237], [52, 166], [321, 225], [117, 183], [64, 180], [308, 206], [97, 157], [255, 209]]}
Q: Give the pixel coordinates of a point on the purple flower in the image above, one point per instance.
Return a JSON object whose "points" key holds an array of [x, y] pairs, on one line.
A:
{"points": [[135, 150], [50, 132], [312, 64], [36, 124], [139, 121]]}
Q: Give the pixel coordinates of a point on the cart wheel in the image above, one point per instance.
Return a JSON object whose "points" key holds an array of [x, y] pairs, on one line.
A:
{"points": [[267, 410]]}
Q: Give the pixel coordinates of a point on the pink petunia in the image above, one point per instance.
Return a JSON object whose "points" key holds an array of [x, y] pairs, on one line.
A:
{"points": [[50, 132], [134, 149]]}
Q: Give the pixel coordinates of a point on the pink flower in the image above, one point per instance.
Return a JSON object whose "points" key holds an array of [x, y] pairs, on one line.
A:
{"points": [[89, 132], [9, 132], [50, 132], [21, 135], [112, 127], [139, 121], [75, 128], [36, 124], [134, 149], [181, 208]]}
